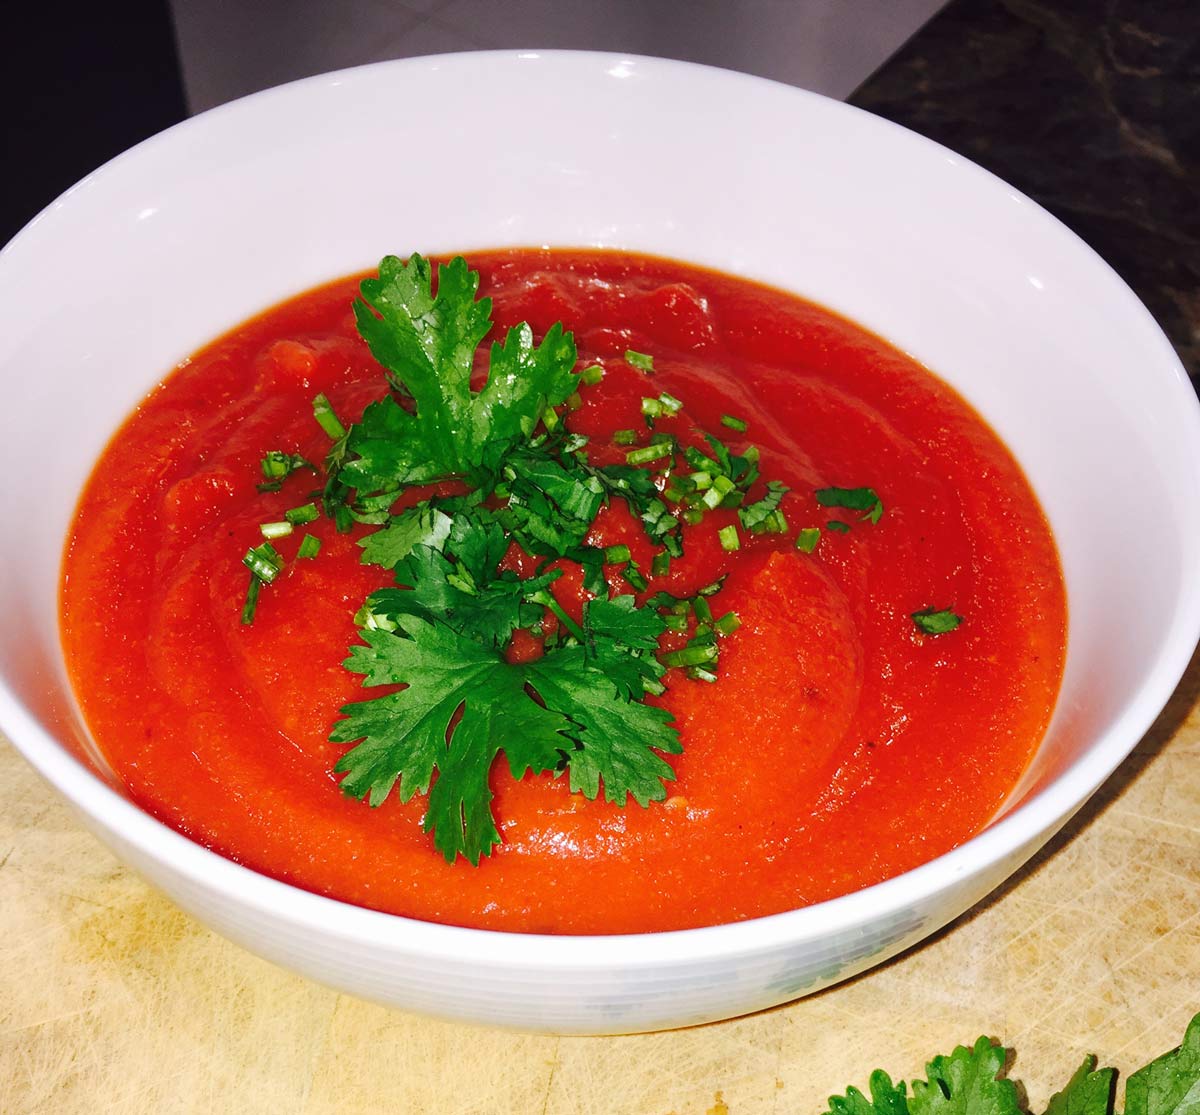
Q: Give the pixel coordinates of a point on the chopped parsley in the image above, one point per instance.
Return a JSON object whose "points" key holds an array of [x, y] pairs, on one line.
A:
{"points": [[936, 621], [865, 500]]}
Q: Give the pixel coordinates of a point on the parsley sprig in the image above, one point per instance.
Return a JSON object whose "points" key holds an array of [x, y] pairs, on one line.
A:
{"points": [[970, 1081]]}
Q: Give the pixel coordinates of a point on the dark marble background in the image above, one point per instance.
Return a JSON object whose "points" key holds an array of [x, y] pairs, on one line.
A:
{"points": [[1092, 108]]}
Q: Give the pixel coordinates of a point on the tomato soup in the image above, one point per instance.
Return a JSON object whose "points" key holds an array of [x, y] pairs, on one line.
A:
{"points": [[841, 743]]}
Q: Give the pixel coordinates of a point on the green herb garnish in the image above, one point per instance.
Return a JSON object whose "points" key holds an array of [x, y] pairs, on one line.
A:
{"points": [[936, 621], [970, 1081], [441, 631], [853, 499]]}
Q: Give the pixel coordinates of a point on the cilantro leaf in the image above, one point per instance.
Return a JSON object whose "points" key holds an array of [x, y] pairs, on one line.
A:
{"points": [[886, 1098], [853, 499], [551, 504], [934, 621], [1170, 1084], [616, 739], [621, 640], [760, 515], [581, 715], [423, 524], [406, 735], [427, 344], [456, 582], [966, 1083], [1086, 1093]]}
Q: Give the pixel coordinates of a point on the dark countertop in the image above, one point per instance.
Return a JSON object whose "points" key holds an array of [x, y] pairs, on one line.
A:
{"points": [[1092, 108]]}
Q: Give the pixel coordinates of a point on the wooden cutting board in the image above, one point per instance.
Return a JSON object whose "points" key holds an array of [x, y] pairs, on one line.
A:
{"points": [[111, 1000]]}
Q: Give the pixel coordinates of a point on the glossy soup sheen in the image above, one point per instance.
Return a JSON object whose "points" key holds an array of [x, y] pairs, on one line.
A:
{"points": [[840, 745]]}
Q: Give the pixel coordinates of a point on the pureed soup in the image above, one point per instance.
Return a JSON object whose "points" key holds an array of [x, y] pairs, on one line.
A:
{"points": [[721, 608]]}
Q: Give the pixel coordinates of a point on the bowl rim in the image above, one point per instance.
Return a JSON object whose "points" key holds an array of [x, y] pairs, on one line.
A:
{"points": [[1017, 833]]}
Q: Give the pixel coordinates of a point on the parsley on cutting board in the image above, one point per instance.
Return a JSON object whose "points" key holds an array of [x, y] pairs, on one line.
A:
{"points": [[970, 1081]]}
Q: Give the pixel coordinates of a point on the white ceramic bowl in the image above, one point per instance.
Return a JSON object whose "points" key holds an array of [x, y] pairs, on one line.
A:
{"points": [[226, 214]]}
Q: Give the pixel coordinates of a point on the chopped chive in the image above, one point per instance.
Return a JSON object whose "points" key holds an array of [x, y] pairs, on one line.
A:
{"points": [[574, 402], [593, 578], [713, 587], [639, 360], [306, 513], [675, 623], [751, 455], [674, 494], [652, 409], [660, 566], [326, 419], [591, 376], [276, 530], [807, 539], [662, 439], [698, 673], [670, 404], [653, 686], [614, 554], [733, 423], [702, 610], [691, 656], [648, 453], [727, 624], [775, 523], [700, 480], [624, 437], [310, 546], [691, 516], [550, 419], [264, 562], [712, 498], [729, 538], [251, 605]]}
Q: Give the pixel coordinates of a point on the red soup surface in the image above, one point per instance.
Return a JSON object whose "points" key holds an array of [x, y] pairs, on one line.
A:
{"points": [[839, 746]]}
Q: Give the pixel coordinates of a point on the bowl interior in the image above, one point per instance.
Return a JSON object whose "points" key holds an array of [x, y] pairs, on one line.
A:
{"points": [[194, 230]]}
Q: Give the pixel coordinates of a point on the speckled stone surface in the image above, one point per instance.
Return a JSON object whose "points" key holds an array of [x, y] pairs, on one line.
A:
{"points": [[1092, 108]]}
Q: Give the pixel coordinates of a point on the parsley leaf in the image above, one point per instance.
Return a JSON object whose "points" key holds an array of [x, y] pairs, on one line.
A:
{"points": [[886, 1098], [1169, 1085], [853, 499], [407, 735], [761, 515], [969, 1082], [934, 621], [551, 503], [1086, 1093], [615, 738], [423, 524], [966, 1083], [582, 718], [427, 344], [621, 640], [456, 582]]}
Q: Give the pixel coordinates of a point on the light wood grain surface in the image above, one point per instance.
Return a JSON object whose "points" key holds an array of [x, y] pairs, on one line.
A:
{"points": [[111, 1000]]}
